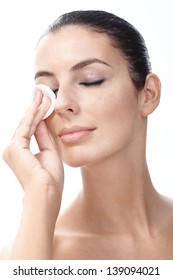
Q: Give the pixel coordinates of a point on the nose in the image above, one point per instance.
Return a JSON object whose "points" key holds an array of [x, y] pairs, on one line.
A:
{"points": [[66, 103]]}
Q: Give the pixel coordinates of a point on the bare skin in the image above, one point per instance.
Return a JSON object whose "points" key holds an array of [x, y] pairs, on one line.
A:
{"points": [[118, 214]]}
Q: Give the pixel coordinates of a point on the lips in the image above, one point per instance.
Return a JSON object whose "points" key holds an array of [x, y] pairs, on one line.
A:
{"points": [[75, 133]]}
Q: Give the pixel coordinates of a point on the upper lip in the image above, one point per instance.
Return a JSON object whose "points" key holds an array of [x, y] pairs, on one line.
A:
{"points": [[74, 129]]}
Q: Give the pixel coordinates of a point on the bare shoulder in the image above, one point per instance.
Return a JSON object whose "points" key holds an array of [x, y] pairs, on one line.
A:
{"points": [[167, 210], [167, 204], [72, 239], [6, 251], [162, 217]]}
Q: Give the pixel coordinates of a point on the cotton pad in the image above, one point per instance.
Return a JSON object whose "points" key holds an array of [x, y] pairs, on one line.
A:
{"points": [[48, 92]]}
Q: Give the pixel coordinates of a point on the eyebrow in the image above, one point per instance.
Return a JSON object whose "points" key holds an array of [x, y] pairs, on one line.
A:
{"points": [[43, 73], [87, 62], [76, 67]]}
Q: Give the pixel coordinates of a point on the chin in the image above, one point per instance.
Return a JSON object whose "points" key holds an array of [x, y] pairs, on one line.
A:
{"points": [[77, 162], [78, 158]]}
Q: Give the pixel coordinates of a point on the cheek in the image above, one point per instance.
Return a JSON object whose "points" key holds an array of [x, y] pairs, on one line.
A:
{"points": [[117, 118], [116, 108], [52, 125]]}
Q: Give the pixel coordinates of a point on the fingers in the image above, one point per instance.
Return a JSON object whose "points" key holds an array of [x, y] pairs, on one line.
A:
{"points": [[33, 116], [43, 138]]}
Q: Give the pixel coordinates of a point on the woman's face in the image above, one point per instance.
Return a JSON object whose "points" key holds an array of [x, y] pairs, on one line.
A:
{"points": [[96, 113]]}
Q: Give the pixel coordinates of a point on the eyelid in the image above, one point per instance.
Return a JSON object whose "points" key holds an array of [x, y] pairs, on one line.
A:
{"points": [[93, 83], [96, 82]]}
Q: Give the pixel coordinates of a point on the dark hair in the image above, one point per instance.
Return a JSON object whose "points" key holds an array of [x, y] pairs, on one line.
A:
{"points": [[122, 35]]}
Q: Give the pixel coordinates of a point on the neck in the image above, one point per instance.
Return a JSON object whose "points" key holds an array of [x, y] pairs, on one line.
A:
{"points": [[119, 191]]}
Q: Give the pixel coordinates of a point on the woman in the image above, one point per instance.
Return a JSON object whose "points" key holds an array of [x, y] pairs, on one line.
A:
{"points": [[98, 66]]}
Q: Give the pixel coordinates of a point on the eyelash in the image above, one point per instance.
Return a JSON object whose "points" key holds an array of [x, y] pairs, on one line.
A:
{"points": [[89, 84], [95, 83]]}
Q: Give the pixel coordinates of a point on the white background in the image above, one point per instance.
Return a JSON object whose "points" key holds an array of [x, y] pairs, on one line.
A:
{"points": [[21, 25]]}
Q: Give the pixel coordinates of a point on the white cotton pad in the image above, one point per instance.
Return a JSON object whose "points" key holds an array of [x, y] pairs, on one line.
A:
{"points": [[48, 92]]}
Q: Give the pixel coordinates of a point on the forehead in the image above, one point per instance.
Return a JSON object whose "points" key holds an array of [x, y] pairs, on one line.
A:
{"points": [[71, 44]]}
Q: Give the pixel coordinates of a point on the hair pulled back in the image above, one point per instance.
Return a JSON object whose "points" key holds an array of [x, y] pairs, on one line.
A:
{"points": [[122, 35]]}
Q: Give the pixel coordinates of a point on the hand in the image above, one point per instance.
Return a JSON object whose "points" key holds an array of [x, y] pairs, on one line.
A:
{"points": [[42, 178], [45, 169]]}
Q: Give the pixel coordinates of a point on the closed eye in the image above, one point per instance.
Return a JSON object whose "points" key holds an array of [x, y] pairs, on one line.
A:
{"points": [[94, 83]]}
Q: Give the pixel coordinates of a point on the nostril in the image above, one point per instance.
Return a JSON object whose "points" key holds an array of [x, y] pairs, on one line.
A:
{"points": [[66, 104], [60, 112]]}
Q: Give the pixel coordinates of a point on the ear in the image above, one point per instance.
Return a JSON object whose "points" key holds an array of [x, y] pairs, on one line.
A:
{"points": [[150, 95]]}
